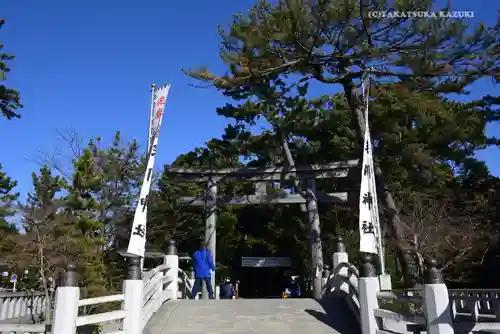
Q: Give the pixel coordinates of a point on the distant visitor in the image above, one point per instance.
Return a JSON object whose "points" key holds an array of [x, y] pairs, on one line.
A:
{"points": [[202, 263], [227, 290], [293, 288]]}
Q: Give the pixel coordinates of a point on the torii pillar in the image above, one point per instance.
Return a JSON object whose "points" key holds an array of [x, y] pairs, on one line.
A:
{"points": [[211, 228]]}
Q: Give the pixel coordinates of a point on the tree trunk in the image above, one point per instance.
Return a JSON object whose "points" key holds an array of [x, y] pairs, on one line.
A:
{"points": [[48, 303], [394, 229], [314, 227]]}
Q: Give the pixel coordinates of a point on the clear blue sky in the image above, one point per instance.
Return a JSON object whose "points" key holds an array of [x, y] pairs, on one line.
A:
{"points": [[88, 65]]}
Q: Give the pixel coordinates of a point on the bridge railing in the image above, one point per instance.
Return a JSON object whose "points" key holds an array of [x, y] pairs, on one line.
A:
{"points": [[185, 285], [98, 318], [160, 284], [475, 309], [343, 280], [24, 328], [67, 316], [413, 319], [21, 304], [433, 309], [19, 309], [140, 298]]}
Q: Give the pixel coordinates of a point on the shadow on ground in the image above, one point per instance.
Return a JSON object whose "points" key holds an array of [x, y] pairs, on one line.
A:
{"points": [[337, 314]]}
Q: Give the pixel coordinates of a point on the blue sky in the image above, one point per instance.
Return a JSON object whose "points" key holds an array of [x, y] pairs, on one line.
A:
{"points": [[88, 65]]}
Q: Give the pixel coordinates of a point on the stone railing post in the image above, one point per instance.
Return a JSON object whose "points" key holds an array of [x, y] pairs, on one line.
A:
{"points": [[132, 289], [384, 278], [191, 281], [368, 289], [326, 274], [66, 303], [340, 254], [172, 261], [436, 301]]}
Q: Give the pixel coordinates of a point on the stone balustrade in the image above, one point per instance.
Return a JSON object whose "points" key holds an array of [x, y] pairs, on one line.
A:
{"points": [[21, 304], [433, 309], [141, 296]]}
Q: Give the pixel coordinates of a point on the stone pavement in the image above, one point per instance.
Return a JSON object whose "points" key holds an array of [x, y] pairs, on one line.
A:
{"points": [[245, 316]]}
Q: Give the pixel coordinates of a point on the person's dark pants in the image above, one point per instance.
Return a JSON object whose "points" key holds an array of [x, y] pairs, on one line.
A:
{"points": [[197, 286]]}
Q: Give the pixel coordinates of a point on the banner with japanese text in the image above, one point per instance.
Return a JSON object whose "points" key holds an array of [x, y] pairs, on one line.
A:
{"points": [[369, 221], [368, 209], [137, 242]]}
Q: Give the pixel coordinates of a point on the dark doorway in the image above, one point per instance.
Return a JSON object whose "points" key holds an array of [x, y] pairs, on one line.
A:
{"points": [[262, 282]]}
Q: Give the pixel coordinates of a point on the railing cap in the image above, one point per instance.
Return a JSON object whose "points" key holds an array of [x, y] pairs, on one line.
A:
{"points": [[171, 248], [339, 245], [367, 268], [69, 276], [432, 274], [134, 268], [27, 294]]}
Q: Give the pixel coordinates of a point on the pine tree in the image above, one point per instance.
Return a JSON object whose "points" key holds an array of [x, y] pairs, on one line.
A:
{"points": [[101, 199], [7, 202], [274, 52], [42, 246], [83, 208], [10, 100]]}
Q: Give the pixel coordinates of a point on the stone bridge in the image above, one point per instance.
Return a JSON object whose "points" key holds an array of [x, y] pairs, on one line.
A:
{"points": [[353, 301], [294, 316]]}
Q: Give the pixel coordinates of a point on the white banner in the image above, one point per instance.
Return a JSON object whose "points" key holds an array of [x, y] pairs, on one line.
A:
{"points": [[137, 242], [369, 221]]}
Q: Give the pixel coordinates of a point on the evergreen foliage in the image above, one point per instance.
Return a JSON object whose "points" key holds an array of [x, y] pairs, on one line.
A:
{"points": [[10, 100]]}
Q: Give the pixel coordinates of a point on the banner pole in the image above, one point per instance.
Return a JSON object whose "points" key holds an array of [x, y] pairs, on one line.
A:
{"points": [[153, 86], [151, 107], [369, 218], [137, 242]]}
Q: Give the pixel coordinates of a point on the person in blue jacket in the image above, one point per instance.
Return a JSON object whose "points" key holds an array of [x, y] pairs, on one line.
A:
{"points": [[202, 263]]}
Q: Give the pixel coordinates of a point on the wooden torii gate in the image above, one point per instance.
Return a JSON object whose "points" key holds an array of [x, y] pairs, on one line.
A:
{"points": [[261, 177]]}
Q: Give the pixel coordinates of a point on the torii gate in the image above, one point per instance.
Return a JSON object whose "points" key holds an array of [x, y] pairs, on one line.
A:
{"points": [[262, 177]]}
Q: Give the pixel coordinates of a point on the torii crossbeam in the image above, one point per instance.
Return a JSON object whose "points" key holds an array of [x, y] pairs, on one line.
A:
{"points": [[261, 177]]}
